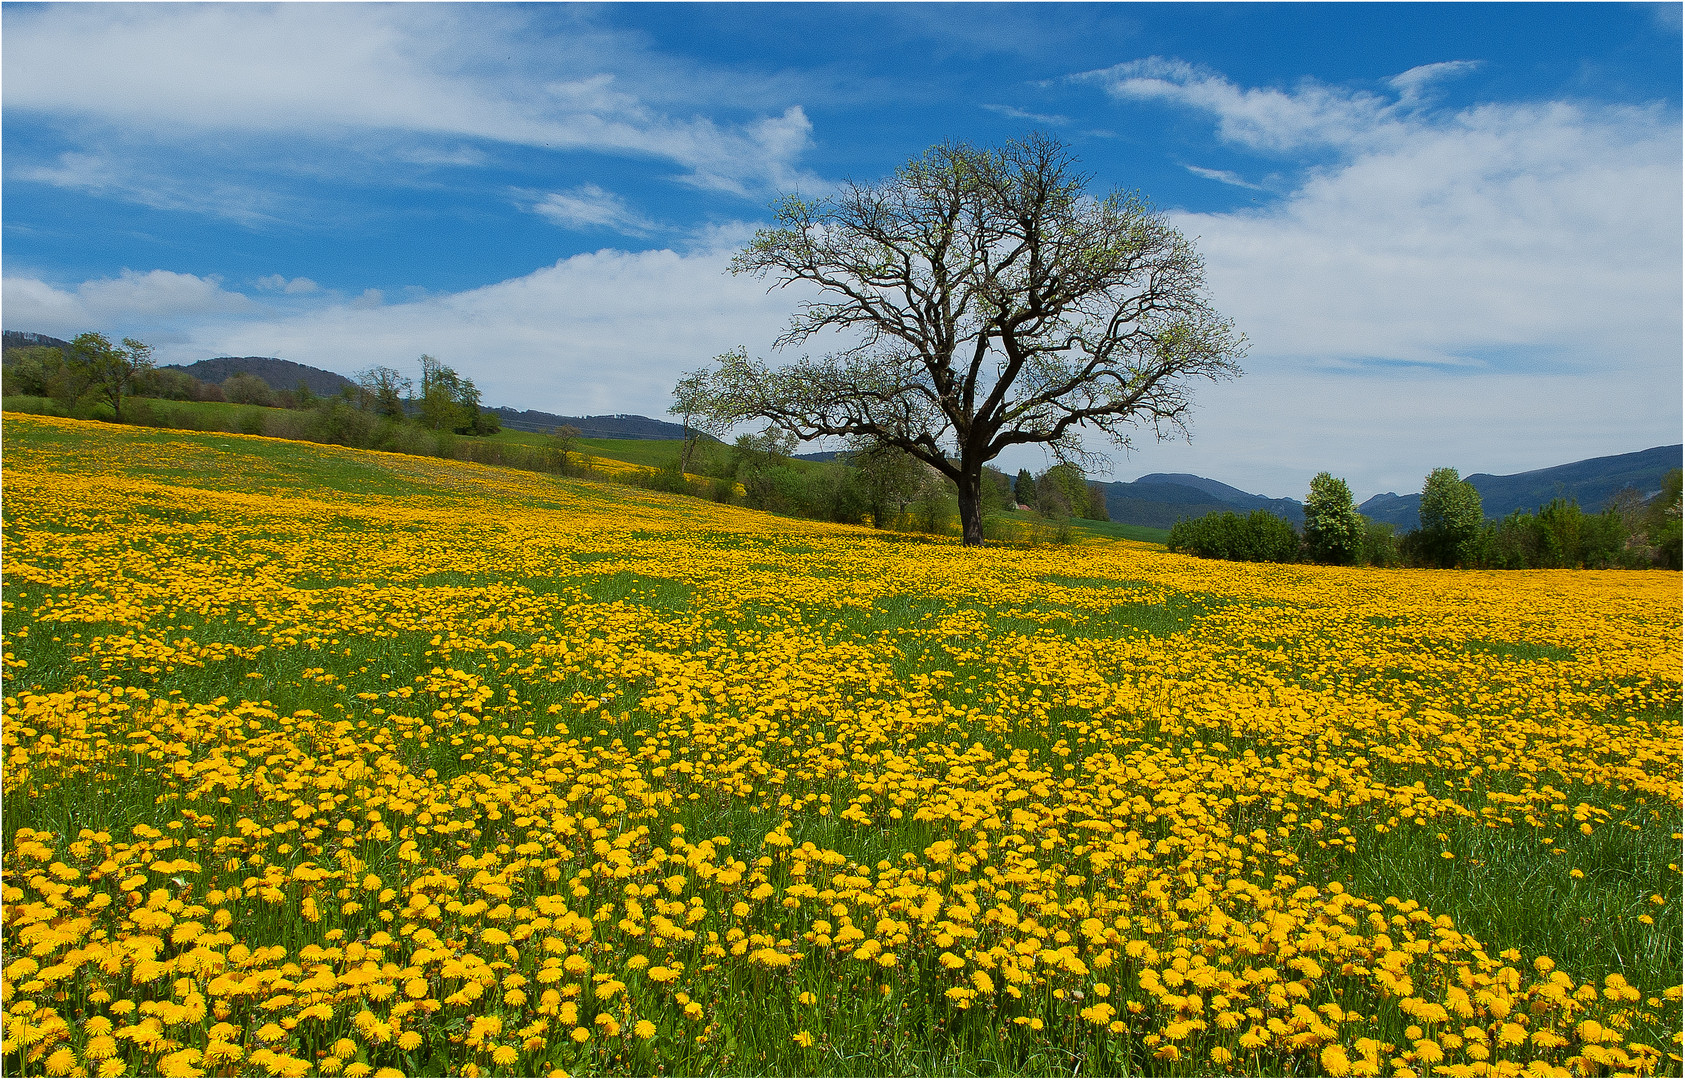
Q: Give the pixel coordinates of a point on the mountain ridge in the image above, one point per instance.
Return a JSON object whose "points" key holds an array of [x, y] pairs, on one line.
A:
{"points": [[1589, 481]]}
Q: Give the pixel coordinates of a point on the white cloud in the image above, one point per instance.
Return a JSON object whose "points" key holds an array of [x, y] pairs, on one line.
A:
{"points": [[132, 304], [132, 180], [1012, 113], [1224, 176], [295, 287], [1497, 288], [1412, 85], [590, 207], [1259, 118], [1549, 229], [597, 333], [433, 72]]}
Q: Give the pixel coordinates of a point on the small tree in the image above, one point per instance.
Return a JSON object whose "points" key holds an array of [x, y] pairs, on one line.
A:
{"points": [[889, 479], [991, 303], [384, 390], [1662, 521], [450, 402], [1097, 502], [1024, 488], [111, 370], [1451, 516], [1064, 491], [565, 439], [30, 369], [244, 388], [1334, 530]]}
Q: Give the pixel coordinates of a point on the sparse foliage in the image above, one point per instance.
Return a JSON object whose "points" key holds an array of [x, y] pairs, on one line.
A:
{"points": [[385, 390], [990, 302]]}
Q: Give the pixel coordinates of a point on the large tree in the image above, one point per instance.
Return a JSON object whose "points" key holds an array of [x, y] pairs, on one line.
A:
{"points": [[985, 301]]}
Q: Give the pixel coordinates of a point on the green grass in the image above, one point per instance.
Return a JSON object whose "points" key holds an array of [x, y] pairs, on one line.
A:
{"points": [[1117, 530]]}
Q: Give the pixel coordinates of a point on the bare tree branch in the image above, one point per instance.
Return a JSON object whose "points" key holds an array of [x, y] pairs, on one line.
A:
{"points": [[991, 302]]}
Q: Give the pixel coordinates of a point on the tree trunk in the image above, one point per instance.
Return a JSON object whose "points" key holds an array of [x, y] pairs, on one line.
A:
{"points": [[971, 508]]}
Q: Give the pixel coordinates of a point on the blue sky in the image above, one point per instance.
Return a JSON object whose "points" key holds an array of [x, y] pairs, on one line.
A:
{"points": [[1452, 233]]}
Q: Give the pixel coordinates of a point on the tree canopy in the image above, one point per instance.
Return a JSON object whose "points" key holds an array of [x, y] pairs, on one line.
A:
{"points": [[1451, 516], [983, 300], [111, 369], [1334, 530]]}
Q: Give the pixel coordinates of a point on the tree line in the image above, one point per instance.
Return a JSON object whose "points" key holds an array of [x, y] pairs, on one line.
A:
{"points": [[875, 483], [1630, 531], [95, 379]]}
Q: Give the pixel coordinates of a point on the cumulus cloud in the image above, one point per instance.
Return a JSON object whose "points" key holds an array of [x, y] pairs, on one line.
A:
{"points": [[1552, 229], [437, 73], [1496, 287], [610, 331], [132, 304], [1523, 236], [589, 207]]}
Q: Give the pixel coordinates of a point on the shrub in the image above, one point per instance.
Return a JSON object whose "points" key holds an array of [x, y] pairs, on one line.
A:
{"points": [[1259, 537], [337, 421], [247, 389], [1380, 544]]}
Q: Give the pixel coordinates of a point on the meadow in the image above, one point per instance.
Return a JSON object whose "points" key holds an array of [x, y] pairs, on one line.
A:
{"points": [[332, 762]]}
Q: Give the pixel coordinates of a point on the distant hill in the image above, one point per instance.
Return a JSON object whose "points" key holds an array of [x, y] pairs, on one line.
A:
{"points": [[1590, 483], [19, 339], [618, 426], [1160, 500], [279, 374]]}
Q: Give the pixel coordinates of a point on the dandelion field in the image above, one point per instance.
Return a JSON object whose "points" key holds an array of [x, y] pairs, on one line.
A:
{"points": [[320, 761]]}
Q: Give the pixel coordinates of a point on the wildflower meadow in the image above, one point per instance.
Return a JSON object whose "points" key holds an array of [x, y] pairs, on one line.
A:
{"points": [[330, 762]]}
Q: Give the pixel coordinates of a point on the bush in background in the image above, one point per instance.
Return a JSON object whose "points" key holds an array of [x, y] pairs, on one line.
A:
{"points": [[1258, 537]]}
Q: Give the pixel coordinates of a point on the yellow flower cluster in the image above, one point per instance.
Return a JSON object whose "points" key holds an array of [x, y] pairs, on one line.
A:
{"points": [[340, 763]]}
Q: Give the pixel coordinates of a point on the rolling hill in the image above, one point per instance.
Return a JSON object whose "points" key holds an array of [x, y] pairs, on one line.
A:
{"points": [[616, 426], [279, 374]]}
